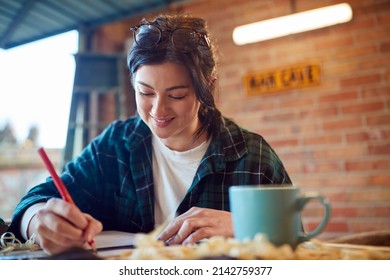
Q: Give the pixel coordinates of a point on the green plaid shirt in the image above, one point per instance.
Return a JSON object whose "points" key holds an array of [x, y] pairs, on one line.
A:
{"points": [[112, 178]]}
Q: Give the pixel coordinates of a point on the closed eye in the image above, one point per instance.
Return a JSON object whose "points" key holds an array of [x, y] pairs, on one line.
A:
{"points": [[145, 94], [177, 97]]}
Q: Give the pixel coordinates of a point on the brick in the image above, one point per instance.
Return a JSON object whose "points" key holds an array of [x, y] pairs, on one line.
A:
{"points": [[362, 136], [383, 19], [371, 164], [341, 68], [342, 124], [370, 7], [304, 127], [374, 64], [356, 52], [347, 212], [284, 143], [247, 120], [338, 97], [333, 226], [323, 139], [385, 47], [322, 167], [382, 119], [293, 168], [283, 52], [369, 224], [362, 108], [371, 195], [362, 80], [297, 103], [343, 152], [379, 149], [337, 180], [371, 35], [257, 105], [374, 134], [380, 180], [280, 117], [313, 209], [376, 92], [307, 181], [387, 76], [318, 112], [337, 42], [266, 131], [336, 195], [360, 211], [382, 211]]}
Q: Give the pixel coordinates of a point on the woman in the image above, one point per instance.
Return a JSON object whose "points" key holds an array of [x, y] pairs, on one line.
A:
{"points": [[174, 161]]}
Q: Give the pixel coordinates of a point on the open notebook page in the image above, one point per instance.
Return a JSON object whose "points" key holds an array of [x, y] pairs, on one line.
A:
{"points": [[112, 239]]}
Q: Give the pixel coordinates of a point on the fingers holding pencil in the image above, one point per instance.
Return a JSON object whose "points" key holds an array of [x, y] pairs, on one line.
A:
{"points": [[60, 225], [82, 224], [93, 228]]}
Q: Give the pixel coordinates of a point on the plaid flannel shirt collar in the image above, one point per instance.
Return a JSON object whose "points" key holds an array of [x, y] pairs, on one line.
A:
{"points": [[230, 144], [232, 140]]}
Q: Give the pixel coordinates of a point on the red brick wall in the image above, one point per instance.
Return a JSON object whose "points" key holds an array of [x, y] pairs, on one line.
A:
{"points": [[333, 138]]}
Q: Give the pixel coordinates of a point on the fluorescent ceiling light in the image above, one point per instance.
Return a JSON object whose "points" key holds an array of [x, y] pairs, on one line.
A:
{"points": [[291, 24]]}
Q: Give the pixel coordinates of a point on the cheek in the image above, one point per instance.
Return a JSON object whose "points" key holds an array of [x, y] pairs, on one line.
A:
{"points": [[142, 104], [191, 108], [187, 111]]}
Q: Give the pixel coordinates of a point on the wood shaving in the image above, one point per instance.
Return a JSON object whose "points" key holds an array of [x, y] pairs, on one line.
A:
{"points": [[148, 248]]}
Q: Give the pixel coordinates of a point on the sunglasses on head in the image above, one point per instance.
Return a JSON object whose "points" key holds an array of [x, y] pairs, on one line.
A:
{"points": [[149, 35]]}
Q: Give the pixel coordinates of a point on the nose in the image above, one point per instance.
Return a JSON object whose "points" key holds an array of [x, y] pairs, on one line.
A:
{"points": [[159, 107]]}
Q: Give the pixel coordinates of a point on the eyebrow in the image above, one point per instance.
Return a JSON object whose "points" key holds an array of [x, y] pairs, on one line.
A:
{"points": [[167, 89]]}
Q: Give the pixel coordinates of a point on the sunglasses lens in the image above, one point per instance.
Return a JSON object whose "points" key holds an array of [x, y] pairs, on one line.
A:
{"points": [[184, 39], [147, 36]]}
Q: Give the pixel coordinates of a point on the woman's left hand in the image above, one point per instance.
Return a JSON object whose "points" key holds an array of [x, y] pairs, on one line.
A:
{"points": [[196, 224]]}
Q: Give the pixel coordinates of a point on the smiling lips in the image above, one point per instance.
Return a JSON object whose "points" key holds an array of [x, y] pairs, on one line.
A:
{"points": [[162, 122]]}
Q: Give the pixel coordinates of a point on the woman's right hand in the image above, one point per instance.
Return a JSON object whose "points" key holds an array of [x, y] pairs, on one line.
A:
{"points": [[60, 225]]}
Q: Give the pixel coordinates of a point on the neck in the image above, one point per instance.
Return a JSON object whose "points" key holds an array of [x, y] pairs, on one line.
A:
{"points": [[182, 145]]}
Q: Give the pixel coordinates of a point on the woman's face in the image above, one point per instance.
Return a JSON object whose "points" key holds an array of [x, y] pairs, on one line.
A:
{"points": [[166, 102]]}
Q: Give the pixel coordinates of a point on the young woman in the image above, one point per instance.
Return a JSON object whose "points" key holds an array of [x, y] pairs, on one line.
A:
{"points": [[175, 161]]}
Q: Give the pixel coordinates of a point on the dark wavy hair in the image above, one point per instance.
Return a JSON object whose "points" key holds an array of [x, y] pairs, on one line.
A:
{"points": [[201, 63]]}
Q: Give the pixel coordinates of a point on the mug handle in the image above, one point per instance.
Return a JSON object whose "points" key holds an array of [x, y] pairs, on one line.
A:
{"points": [[302, 201]]}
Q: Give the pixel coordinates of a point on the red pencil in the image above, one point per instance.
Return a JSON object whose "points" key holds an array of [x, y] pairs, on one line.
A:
{"points": [[59, 184]]}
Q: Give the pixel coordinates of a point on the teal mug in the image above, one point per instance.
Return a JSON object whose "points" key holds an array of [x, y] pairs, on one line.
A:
{"points": [[275, 211]]}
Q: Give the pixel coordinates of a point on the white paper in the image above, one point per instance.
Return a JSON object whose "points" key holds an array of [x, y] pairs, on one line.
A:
{"points": [[114, 243], [112, 238]]}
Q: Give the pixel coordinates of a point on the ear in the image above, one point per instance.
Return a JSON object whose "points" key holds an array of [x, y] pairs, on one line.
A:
{"points": [[212, 82]]}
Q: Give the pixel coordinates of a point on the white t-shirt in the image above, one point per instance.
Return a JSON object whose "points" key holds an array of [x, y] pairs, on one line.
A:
{"points": [[173, 173]]}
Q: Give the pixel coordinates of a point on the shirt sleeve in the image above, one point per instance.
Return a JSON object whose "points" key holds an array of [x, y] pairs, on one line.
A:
{"points": [[27, 216]]}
